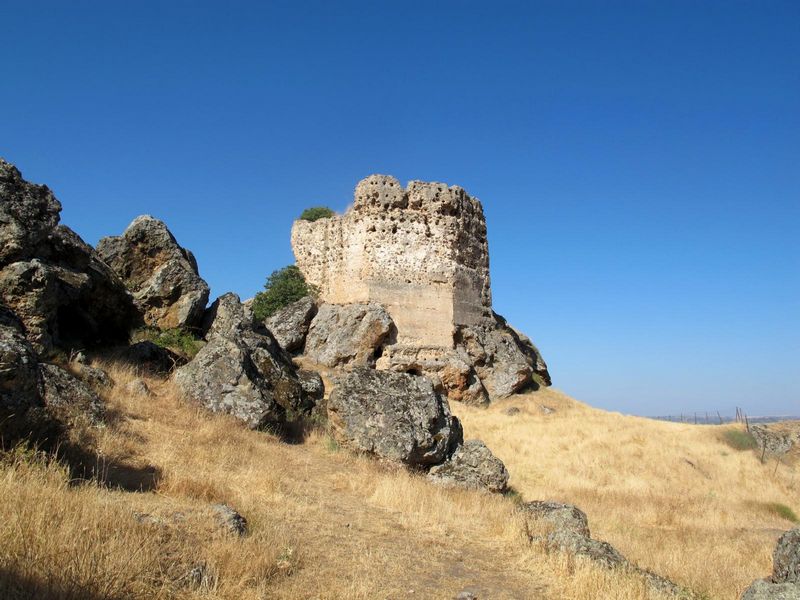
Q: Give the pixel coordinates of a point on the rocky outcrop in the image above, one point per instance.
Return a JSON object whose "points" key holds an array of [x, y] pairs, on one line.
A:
{"points": [[28, 213], [472, 465], [162, 275], [784, 584], [348, 335], [55, 283], [290, 324], [394, 416], [242, 370]]}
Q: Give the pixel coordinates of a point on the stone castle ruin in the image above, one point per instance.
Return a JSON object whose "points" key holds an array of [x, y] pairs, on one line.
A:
{"points": [[421, 253]]}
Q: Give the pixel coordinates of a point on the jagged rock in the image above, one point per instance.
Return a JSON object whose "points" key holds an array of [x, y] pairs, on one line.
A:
{"points": [[66, 296], [242, 370], [20, 383], [504, 363], [461, 383], [472, 466], [762, 589], [162, 275], [224, 378], [786, 558], [557, 515], [230, 520], [225, 316], [28, 213], [393, 415], [290, 324], [348, 335], [68, 398]]}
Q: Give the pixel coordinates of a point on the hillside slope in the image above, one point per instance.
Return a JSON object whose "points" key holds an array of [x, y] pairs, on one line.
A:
{"points": [[323, 522], [675, 498]]}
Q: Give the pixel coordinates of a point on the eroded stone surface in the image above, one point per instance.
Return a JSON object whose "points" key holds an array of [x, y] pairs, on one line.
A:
{"points": [[290, 324], [348, 335], [161, 274], [393, 415], [472, 465]]}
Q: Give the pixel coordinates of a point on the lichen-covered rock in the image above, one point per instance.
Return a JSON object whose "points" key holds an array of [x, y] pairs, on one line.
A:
{"points": [[224, 378], [149, 357], [225, 316], [762, 589], [66, 296], [396, 416], [786, 558], [348, 335], [28, 213], [472, 466], [68, 398], [312, 384], [161, 274], [20, 383], [556, 515], [290, 324], [775, 438], [137, 387]]}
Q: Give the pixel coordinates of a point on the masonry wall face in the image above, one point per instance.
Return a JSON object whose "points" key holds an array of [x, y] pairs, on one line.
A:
{"points": [[420, 251]]}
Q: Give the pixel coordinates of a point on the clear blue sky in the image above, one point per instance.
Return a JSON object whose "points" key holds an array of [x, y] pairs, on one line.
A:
{"points": [[638, 162]]}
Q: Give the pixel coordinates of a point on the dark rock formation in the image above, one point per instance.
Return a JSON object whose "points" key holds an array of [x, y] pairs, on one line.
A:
{"points": [[20, 383], [784, 584], [68, 398], [28, 213], [348, 335], [162, 275]]}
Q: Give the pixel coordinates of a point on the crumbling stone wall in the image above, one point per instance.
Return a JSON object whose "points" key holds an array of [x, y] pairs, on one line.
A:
{"points": [[420, 251]]}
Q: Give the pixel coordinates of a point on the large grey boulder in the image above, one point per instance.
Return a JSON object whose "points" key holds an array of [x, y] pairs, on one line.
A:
{"points": [[506, 362], [28, 212], [242, 370], [348, 335], [290, 324], [224, 378], [472, 466], [396, 416], [161, 274]]}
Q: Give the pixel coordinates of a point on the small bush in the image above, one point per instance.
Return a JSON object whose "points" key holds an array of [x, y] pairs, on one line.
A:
{"points": [[316, 213], [178, 340], [782, 511], [283, 287], [739, 440]]}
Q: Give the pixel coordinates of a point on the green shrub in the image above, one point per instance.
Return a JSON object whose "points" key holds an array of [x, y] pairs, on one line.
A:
{"points": [[782, 511], [179, 340], [739, 440], [316, 212], [283, 287]]}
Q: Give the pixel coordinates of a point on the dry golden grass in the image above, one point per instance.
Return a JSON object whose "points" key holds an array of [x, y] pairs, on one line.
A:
{"points": [[323, 523], [672, 497]]}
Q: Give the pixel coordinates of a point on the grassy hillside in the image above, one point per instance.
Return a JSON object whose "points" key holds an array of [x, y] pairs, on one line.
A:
{"points": [[325, 523], [693, 503]]}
